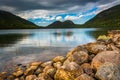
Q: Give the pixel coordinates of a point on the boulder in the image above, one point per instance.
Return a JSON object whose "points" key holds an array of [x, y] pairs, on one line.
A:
{"points": [[62, 74], [68, 71], [105, 56], [11, 77], [18, 73], [49, 70], [87, 69], [96, 48], [58, 59], [91, 56], [39, 70], [22, 78], [84, 77], [16, 79], [31, 77], [35, 63], [33, 67], [3, 75], [43, 76], [70, 66], [112, 47], [28, 71], [57, 65], [47, 63], [76, 49], [116, 39], [108, 71], [78, 56]]}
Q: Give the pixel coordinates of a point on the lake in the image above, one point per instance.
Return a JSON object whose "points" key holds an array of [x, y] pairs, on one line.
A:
{"points": [[24, 46]]}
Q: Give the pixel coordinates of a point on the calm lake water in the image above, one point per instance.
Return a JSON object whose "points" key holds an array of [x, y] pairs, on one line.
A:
{"points": [[24, 46]]}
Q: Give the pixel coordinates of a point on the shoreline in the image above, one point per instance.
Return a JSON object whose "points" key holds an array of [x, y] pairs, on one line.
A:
{"points": [[92, 61]]}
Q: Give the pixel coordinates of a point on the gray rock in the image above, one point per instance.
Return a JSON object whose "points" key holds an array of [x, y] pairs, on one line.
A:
{"points": [[108, 71]]}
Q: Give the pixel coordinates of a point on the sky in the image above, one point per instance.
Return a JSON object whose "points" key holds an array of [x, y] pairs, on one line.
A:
{"points": [[45, 12]]}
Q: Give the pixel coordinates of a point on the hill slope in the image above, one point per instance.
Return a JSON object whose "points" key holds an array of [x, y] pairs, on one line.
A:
{"points": [[109, 18], [11, 21], [59, 24]]}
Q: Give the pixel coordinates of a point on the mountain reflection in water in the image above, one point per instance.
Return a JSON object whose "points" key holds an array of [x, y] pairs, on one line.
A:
{"points": [[24, 46]]}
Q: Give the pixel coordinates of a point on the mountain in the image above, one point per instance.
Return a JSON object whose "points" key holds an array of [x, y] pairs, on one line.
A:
{"points": [[109, 18], [11, 21], [59, 24]]}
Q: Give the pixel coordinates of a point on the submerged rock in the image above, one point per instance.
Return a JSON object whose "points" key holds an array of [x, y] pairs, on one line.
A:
{"points": [[18, 73], [3, 75], [35, 63]]}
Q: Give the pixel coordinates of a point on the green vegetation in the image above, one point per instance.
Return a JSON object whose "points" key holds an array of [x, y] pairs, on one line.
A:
{"points": [[103, 37], [65, 24], [10, 21], [10, 39], [108, 19]]}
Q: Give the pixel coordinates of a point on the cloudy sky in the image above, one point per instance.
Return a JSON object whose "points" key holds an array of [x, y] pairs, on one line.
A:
{"points": [[44, 12]]}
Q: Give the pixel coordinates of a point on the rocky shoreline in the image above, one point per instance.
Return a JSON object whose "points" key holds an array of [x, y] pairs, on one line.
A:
{"points": [[93, 61]]}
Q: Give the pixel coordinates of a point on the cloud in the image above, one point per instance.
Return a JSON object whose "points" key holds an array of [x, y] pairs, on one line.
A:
{"points": [[46, 7], [102, 7], [7, 8], [68, 17], [59, 18], [64, 5], [22, 5], [49, 10]]}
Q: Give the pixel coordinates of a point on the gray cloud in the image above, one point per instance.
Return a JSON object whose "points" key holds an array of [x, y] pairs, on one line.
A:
{"points": [[46, 8], [23, 5]]}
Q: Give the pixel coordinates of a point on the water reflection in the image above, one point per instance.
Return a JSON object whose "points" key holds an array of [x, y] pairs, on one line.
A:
{"points": [[64, 33], [10, 39], [37, 38], [30, 45]]}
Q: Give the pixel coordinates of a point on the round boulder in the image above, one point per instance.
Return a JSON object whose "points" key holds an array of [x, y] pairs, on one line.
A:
{"points": [[31, 77], [68, 71], [47, 63], [87, 69], [58, 59], [18, 73], [96, 48], [108, 71], [78, 56], [35, 63], [84, 77], [105, 56]]}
